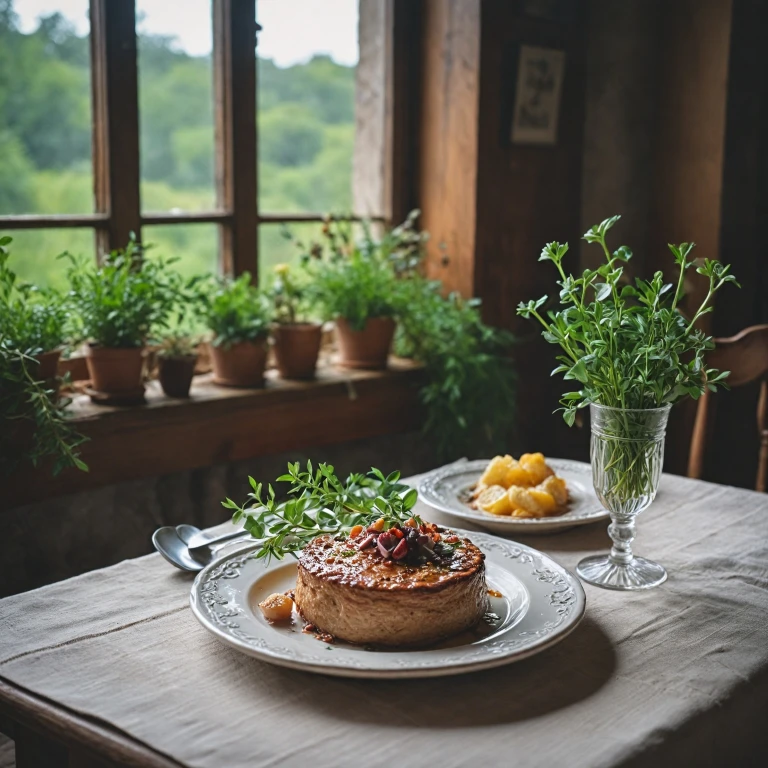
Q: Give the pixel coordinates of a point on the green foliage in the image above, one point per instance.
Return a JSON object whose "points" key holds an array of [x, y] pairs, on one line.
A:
{"points": [[120, 303], [290, 135], [469, 395], [31, 320], [627, 346], [177, 344], [45, 141], [289, 294], [320, 503], [34, 422], [351, 279], [236, 310]]}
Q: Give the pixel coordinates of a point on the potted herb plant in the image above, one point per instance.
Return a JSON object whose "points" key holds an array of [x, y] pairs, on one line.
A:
{"points": [[32, 320], [356, 285], [296, 339], [117, 305], [176, 360], [238, 314], [631, 354]]}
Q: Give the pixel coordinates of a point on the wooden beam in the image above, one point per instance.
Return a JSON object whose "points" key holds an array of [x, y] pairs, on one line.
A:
{"points": [[115, 120], [54, 221], [201, 217], [234, 60], [449, 152], [218, 425]]}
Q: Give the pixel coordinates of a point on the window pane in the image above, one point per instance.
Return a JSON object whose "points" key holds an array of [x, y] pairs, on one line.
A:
{"points": [[306, 104], [176, 105], [34, 252], [275, 248], [195, 245], [45, 107]]}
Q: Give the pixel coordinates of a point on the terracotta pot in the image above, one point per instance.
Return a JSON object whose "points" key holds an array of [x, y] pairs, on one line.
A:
{"points": [[239, 365], [76, 367], [115, 370], [175, 374], [296, 349], [368, 348]]}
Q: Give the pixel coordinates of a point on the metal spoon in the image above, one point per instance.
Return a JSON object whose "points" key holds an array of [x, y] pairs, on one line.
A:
{"points": [[172, 545], [196, 539]]}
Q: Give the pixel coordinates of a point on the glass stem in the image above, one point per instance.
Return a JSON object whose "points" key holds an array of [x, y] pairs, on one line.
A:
{"points": [[622, 533]]}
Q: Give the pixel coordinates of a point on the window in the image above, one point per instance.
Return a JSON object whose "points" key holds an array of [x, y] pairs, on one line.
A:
{"points": [[127, 117]]}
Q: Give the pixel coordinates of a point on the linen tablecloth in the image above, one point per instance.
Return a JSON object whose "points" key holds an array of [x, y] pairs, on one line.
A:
{"points": [[674, 676]]}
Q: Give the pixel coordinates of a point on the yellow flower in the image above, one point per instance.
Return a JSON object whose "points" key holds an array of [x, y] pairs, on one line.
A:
{"points": [[281, 269]]}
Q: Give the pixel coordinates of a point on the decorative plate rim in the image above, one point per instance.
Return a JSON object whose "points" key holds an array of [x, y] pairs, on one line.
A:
{"points": [[567, 601], [431, 497]]}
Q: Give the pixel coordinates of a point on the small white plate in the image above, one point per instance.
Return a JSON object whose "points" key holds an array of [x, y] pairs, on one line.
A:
{"points": [[541, 603], [448, 489]]}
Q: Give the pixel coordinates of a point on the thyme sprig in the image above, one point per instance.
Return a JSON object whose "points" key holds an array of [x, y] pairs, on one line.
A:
{"points": [[320, 503]]}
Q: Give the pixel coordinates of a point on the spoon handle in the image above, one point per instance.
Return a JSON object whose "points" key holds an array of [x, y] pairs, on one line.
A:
{"points": [[201, 541]]}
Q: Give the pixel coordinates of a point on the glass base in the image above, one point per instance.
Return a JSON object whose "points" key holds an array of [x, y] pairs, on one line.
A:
{"points": [[639, 573]]}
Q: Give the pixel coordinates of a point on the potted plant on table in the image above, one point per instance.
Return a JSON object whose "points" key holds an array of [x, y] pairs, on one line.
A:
{"points": [[238, 314], [117, 305], [356, 285], [296, 339], [632, 354]]}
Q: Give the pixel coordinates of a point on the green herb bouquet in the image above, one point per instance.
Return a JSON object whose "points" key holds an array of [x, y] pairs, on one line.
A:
{"points": [[628, 347]]}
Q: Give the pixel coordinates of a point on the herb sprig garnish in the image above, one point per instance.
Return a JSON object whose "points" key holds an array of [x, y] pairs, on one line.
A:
{"points": [[319, 503]]}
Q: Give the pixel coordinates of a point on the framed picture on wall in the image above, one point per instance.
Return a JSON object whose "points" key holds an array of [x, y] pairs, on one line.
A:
{"points": [[539, 86]]}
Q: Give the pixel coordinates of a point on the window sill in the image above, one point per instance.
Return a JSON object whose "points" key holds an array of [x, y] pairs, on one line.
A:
{"points": [[217, 425]]}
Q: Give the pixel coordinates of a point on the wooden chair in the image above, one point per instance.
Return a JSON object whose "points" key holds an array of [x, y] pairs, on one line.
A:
{"points": [[746, 357]]}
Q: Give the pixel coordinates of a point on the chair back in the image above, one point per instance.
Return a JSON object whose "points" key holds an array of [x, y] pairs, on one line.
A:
{"points": [[745, 355]]}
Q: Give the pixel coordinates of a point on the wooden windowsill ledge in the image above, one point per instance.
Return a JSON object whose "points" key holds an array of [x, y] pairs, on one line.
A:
{"points": [[217, 425]]}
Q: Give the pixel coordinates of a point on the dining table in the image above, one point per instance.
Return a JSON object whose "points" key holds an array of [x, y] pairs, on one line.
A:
{"points": [[112, 668]]}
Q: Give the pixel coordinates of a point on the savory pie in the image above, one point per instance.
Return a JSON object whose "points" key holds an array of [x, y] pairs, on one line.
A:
{"points": [[410, 585]]}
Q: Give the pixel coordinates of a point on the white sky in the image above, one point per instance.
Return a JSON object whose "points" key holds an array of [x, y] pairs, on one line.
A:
{"points": [[294, 30]]}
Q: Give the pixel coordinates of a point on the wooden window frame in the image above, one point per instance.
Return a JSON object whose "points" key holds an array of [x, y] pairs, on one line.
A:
{"points": [[115, 143]]}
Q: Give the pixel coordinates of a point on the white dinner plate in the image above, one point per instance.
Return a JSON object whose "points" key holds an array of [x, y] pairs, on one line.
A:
{"points": [[541, 602], [448, 489]]}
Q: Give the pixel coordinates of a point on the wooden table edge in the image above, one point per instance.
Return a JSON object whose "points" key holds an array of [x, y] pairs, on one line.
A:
{"points": [[75, 732]]}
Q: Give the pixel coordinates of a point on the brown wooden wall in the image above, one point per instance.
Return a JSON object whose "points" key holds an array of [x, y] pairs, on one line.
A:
{"points": [[490, 205]]}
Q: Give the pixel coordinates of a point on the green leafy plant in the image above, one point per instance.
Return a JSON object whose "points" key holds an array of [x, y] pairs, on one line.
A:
{"points": [[628, 346], [122, 301], [177, 344], [31, 319], [34, 422], [290, 296], [319, 503], [349, 279], [36, 425], [236, 311], [470, 394]]}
